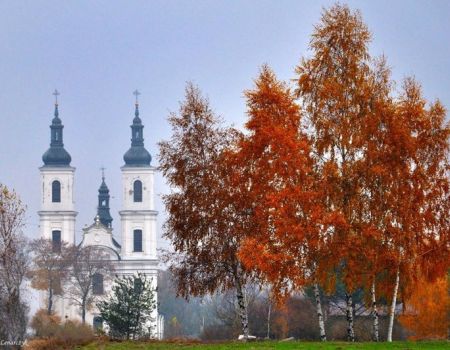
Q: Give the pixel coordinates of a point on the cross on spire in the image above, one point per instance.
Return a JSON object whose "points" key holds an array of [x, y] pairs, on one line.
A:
{"points": [[56, 94], [136, 93], [103, 172]]}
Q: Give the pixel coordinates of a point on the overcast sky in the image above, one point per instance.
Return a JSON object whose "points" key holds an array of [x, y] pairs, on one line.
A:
{"points": [[97, 52]]}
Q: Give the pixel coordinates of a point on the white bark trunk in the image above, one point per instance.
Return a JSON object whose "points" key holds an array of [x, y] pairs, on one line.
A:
{"points": [[392, 310], [268, 318], [323, 336], [350, 328], [242, 308], [376, 336]]}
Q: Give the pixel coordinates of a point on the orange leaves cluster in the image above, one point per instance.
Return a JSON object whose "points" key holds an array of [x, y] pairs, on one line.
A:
{"points": [[427, 311], [274, 159]]}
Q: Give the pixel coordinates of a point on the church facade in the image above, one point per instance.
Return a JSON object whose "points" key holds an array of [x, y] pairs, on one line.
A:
{"points": [[57, 217]]}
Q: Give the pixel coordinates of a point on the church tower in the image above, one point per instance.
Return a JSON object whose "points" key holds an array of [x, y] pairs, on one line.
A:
{"points": [[138, 215], [103, 203], [57, 214]]}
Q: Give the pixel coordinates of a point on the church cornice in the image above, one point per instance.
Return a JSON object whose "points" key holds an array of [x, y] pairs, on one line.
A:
{"points": [[57, 213], [56, 168], [138, 168], [138, 212]]}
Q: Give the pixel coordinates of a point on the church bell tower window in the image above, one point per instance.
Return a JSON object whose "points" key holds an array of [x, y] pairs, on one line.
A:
{"points": [[56, 191], [137, 240], [137, 191]]}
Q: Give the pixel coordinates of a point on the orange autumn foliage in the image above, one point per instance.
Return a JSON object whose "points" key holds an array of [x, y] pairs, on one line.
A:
{"points": [[427, 311], [275, 170], [382, 161]]}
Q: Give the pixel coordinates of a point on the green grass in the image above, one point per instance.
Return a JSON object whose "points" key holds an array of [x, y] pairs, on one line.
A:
{"points": [[266, 345]]}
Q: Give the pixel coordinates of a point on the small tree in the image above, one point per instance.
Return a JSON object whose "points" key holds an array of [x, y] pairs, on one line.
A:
{"points": [[14, 264], [51, 268], [128, 311], [87, 262]]}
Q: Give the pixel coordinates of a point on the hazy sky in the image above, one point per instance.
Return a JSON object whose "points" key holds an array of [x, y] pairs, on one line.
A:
{"points": [[97, 52]]}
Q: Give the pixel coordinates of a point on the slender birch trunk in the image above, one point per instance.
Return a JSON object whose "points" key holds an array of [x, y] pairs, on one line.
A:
{"points": [[349, 311], [392, 310], [50, 300], [242, 308], [323, 336], [376, 336], [268, 319]]}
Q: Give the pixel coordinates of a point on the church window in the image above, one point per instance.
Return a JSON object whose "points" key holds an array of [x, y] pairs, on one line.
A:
{"points": [[97, 323], [104, 202], [137, 240], [56, 136], [137, 191], [56, 241], [97, 284], [56, 191]]}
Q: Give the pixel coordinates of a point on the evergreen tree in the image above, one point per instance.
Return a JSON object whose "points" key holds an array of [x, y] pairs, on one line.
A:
{"points": [[128, 311]]}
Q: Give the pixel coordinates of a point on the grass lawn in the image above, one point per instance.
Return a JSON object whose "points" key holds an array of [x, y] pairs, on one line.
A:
{"points": [[266, 345]]}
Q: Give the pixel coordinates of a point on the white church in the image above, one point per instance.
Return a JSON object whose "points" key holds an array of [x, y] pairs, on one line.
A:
{"points": [[57, 217]]}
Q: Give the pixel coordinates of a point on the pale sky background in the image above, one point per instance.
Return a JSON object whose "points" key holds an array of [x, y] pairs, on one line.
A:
{"points": [[97, 52]]}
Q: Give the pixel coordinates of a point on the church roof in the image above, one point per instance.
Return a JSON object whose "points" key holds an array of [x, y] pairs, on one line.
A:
{"points": [[56, 155], [137, 155]]}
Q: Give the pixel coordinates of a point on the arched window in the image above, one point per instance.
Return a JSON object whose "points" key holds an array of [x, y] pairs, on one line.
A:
{"points": [[137, 240], [97, 323], [56, 241], [56, 191], [137, 191], [97, 284]]}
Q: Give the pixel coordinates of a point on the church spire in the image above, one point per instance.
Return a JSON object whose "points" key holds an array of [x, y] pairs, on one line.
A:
{"points": [[137, 155], [56, 155], [103, 203]]}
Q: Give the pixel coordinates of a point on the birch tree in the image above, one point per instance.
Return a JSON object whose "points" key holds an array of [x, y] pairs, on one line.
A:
{"points": [[202, 221], [334, 91], [275, 167], [420, 216]]}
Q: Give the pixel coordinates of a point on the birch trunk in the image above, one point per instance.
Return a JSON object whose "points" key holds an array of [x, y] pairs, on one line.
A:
{"points": [[392, 310], [376, 336], [349, 311], [268, 319], [242, 308], [323, 336], [50, 301]]}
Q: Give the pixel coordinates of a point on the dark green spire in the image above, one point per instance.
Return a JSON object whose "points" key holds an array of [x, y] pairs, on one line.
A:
{"points": [[56, 155], [103, 203], [137, 155]]}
